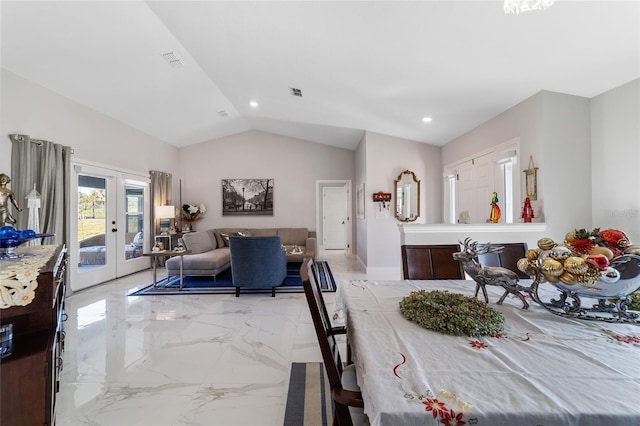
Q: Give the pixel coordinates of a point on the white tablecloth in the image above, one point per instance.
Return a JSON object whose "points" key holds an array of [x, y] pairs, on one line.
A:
{"points": [[543, 370]]}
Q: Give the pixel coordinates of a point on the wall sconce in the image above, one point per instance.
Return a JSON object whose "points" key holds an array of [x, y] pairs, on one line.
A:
{"points": [[382, 197], [166, 214]]}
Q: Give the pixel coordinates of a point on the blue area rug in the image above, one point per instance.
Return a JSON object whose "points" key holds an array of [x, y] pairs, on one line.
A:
{"points": [[223, 283]]}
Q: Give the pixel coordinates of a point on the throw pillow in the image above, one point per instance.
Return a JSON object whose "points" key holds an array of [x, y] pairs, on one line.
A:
{"points": [[225, 237], [198, 242]]}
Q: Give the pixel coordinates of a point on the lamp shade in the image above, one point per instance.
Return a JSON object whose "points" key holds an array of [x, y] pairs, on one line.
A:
{"points": [[165, 212]]}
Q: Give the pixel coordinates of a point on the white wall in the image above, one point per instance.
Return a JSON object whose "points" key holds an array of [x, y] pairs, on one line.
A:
{"points": [[28, 108], [565, 168], [615, 159], [294, 164], [361, 177], [386, 158], [554, 129]]}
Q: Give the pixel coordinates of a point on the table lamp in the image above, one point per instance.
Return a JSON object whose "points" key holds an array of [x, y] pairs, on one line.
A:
{"points": [[165, 214]]}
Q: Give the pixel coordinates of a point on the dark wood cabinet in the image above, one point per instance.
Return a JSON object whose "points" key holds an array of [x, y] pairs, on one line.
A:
{"points": [[29, 377]]}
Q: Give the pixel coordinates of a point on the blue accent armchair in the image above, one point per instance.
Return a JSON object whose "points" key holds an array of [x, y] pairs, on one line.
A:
{"points": [[257, 262]]}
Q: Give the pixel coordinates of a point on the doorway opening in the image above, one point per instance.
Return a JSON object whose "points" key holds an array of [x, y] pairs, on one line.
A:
{"points": [[334, 226]]}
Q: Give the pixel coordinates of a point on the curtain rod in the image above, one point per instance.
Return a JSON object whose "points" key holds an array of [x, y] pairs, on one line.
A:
{"points": [[39, 142]]}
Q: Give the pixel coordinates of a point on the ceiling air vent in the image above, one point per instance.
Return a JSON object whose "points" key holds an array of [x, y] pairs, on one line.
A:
{"points": [[173, 59], [223, 114], [296, 92]]}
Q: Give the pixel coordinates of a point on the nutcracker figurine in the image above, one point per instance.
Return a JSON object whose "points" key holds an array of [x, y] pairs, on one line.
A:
{"points": [[495, 209], [527, 211]]}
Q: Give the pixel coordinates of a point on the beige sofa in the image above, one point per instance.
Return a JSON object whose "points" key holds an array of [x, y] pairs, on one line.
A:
{"points": [[210, 249]]}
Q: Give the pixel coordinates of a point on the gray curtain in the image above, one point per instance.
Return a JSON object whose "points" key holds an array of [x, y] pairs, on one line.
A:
{"points": [[160, 196], [46, 165]]}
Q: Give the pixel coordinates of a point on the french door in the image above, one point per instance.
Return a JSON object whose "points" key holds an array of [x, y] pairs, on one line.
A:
{"points": [[109, 210]]}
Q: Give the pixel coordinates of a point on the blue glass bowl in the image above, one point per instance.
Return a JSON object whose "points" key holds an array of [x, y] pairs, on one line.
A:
{"points": [[15, 242], [10, 238]]}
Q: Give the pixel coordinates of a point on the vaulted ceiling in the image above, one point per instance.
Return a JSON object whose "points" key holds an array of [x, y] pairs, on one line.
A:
{"points": [[376, 66]]}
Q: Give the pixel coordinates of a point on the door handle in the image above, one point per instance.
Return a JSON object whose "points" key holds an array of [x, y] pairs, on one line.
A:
{"points": [[114, 229]]}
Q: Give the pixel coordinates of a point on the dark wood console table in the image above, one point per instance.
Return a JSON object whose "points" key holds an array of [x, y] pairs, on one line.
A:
{"points": [[29, 376]]}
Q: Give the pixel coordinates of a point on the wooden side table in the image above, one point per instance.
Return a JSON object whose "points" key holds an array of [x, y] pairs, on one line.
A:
{"points": [[156, 256]]}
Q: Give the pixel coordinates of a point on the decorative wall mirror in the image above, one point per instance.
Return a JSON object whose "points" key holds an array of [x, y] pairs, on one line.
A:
{"points": [[407, 197]]}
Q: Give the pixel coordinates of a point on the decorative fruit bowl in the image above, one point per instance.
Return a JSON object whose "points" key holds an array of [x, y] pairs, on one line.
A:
{"points": [[621, 280], [10, 238], [596, 264]]}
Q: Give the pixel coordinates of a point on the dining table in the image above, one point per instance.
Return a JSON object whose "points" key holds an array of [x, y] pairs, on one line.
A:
{"points": [[542, 369]]}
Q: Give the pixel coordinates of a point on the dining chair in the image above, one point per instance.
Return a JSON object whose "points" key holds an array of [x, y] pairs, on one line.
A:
{"points": [[310, 268], [346, 396], [507, 258], [431, 262]]}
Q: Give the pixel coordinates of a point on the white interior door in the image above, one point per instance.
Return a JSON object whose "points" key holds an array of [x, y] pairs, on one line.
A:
{"points": [[475, 183], [334, 217], [108, 210], [464, 193], [482, 188]]}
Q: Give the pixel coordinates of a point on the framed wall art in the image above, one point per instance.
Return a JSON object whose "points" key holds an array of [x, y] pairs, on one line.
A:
{"points": [[251, 197]]}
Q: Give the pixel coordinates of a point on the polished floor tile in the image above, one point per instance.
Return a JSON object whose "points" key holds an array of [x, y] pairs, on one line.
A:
{"points": [[187, 359]]}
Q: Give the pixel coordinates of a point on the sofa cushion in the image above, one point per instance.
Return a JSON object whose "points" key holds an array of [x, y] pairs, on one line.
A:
{"points": [[205, 261], [199, 242], [289, 236]]}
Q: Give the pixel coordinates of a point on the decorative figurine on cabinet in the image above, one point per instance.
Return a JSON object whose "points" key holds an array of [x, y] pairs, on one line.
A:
{"points": [[6, 197], [527, 211], [494, 217]]}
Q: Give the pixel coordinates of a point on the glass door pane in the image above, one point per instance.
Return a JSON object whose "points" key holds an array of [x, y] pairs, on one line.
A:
{"points": [[92, 222], [132, 216], [133, 221]]}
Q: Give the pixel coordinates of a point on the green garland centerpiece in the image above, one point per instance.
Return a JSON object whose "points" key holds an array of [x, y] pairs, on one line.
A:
{"points": [[451, 313], [634, 303]]}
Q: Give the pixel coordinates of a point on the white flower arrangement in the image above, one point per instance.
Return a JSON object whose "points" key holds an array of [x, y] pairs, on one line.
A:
{"points": [[192, 212]]}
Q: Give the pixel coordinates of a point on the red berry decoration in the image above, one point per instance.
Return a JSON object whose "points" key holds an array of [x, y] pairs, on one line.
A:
{"points": [[600, 260], [583, 246], [614, 239]]}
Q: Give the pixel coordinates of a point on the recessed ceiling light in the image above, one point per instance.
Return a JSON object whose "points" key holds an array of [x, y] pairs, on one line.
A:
{"points": [[253, 104], [427, 119]]}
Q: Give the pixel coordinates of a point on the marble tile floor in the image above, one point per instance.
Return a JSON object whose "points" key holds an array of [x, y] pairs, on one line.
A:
{"points": [[184, 360]]}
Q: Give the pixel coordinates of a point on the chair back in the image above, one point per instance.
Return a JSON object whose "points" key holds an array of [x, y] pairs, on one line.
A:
{"points": [[507, 258], [257, 262], [431, 262], [322, 325], [348, 403]]}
